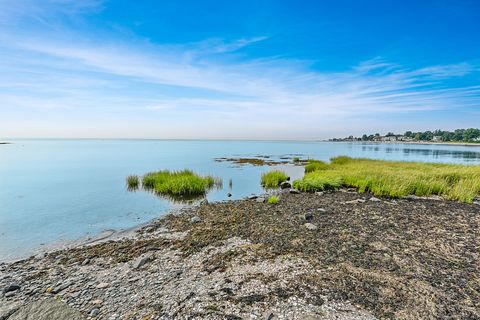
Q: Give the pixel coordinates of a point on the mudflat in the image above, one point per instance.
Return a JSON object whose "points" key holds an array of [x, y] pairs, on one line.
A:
{"points": [[335, 255]]}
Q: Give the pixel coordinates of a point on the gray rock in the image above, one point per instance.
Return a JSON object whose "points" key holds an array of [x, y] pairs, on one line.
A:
{"points": [[10, 294], [308, 216], [374, 199], [61, 287], [8, 308], [269, 316], [195, 219], [85, 262], [260, 200], [11, 287], [285, 185], [319, 193], [359, 201], [141, 261], [48, 309], [102, 285], [294, 191], [252, 197], [229, 195], [310, 226], [94, 312], [321, 210], [477, 203], [412, 197]]}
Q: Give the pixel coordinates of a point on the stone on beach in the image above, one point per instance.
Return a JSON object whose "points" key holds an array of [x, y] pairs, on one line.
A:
{"points": [[310, 226], [195, 219], [285, 185], [141, 261], [11, 287], [49, 309]]}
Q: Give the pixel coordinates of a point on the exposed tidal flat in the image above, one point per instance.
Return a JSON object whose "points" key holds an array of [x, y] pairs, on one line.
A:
{"points": [[324, 255]]}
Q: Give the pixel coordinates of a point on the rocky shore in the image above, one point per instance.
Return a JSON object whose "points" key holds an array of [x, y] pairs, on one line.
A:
{"points": [[339, 255]]}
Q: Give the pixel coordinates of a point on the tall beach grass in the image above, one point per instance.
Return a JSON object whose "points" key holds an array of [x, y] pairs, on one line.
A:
{"points": [[395, 178], [178, 183], [273, 179], [133, 182]]}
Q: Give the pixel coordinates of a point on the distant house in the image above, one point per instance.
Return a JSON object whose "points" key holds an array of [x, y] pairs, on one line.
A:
{"points": [[437, 138], [389, 138]]}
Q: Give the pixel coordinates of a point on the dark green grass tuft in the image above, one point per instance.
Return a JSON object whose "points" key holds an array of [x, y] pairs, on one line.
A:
{"points": [[273, 199], [133, 182], [273, 179], [314, 165], [179, 183]]}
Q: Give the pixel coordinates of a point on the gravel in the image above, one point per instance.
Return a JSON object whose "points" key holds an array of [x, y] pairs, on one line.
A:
{"points": [[250, 260]]}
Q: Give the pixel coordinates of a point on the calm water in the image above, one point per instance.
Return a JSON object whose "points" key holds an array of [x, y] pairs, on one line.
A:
{"points": [[53, 190]]}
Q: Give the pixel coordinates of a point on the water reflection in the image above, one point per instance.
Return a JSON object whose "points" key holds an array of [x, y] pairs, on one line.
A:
{"points": [[465, 155], [425, 152]]}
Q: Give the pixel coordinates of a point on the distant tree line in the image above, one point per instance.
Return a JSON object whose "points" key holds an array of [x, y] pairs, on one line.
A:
{"points": [[459, 135]]}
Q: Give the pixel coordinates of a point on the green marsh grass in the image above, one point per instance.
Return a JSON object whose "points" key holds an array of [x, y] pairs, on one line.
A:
{"points": [[314, 165], [273, 199], [133, 182], [179, 183], [273, 179], [396, 179]]}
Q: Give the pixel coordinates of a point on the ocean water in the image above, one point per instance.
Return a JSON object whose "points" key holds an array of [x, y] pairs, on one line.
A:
{"points": [[62, 190]]}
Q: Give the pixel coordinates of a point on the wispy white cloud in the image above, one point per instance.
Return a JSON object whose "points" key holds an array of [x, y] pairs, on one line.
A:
{"points": [[184, 82]]}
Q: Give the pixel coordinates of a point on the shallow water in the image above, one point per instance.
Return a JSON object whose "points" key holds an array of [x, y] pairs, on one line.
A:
{"points": [[53, 190]]}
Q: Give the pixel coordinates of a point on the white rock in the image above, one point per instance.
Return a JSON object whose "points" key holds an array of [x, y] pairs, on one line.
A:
{"points": [[310, 226]]}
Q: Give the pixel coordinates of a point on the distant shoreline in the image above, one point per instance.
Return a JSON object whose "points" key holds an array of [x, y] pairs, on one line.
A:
{"points": [[467, 144]]}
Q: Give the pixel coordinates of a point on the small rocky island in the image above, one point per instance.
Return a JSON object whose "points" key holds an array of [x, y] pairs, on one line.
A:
{"points": [[323, 255]]}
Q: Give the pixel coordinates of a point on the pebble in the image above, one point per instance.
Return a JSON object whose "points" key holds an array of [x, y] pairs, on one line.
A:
{"points": [[319, 193], [356, 201], [260, 200], [94, 312], [310, 226], [11, 287], [141, 261], [10, 294], [294, 191], [308, 216], [61, 287], [102, 285], [195, 219], [85, 262], [374, 199]]}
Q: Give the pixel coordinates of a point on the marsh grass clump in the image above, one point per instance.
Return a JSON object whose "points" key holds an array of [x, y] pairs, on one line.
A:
{"points": [[396, 178], [314, 165], [179, 183], [273, 199], [273, 179], [133, 182], [318, 181]]}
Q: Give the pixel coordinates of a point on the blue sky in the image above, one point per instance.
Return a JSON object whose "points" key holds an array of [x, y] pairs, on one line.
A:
{"points": [[244, 69]]}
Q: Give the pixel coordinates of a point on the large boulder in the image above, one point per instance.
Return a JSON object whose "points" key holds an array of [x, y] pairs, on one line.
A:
{"points": [[48, 309]]}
